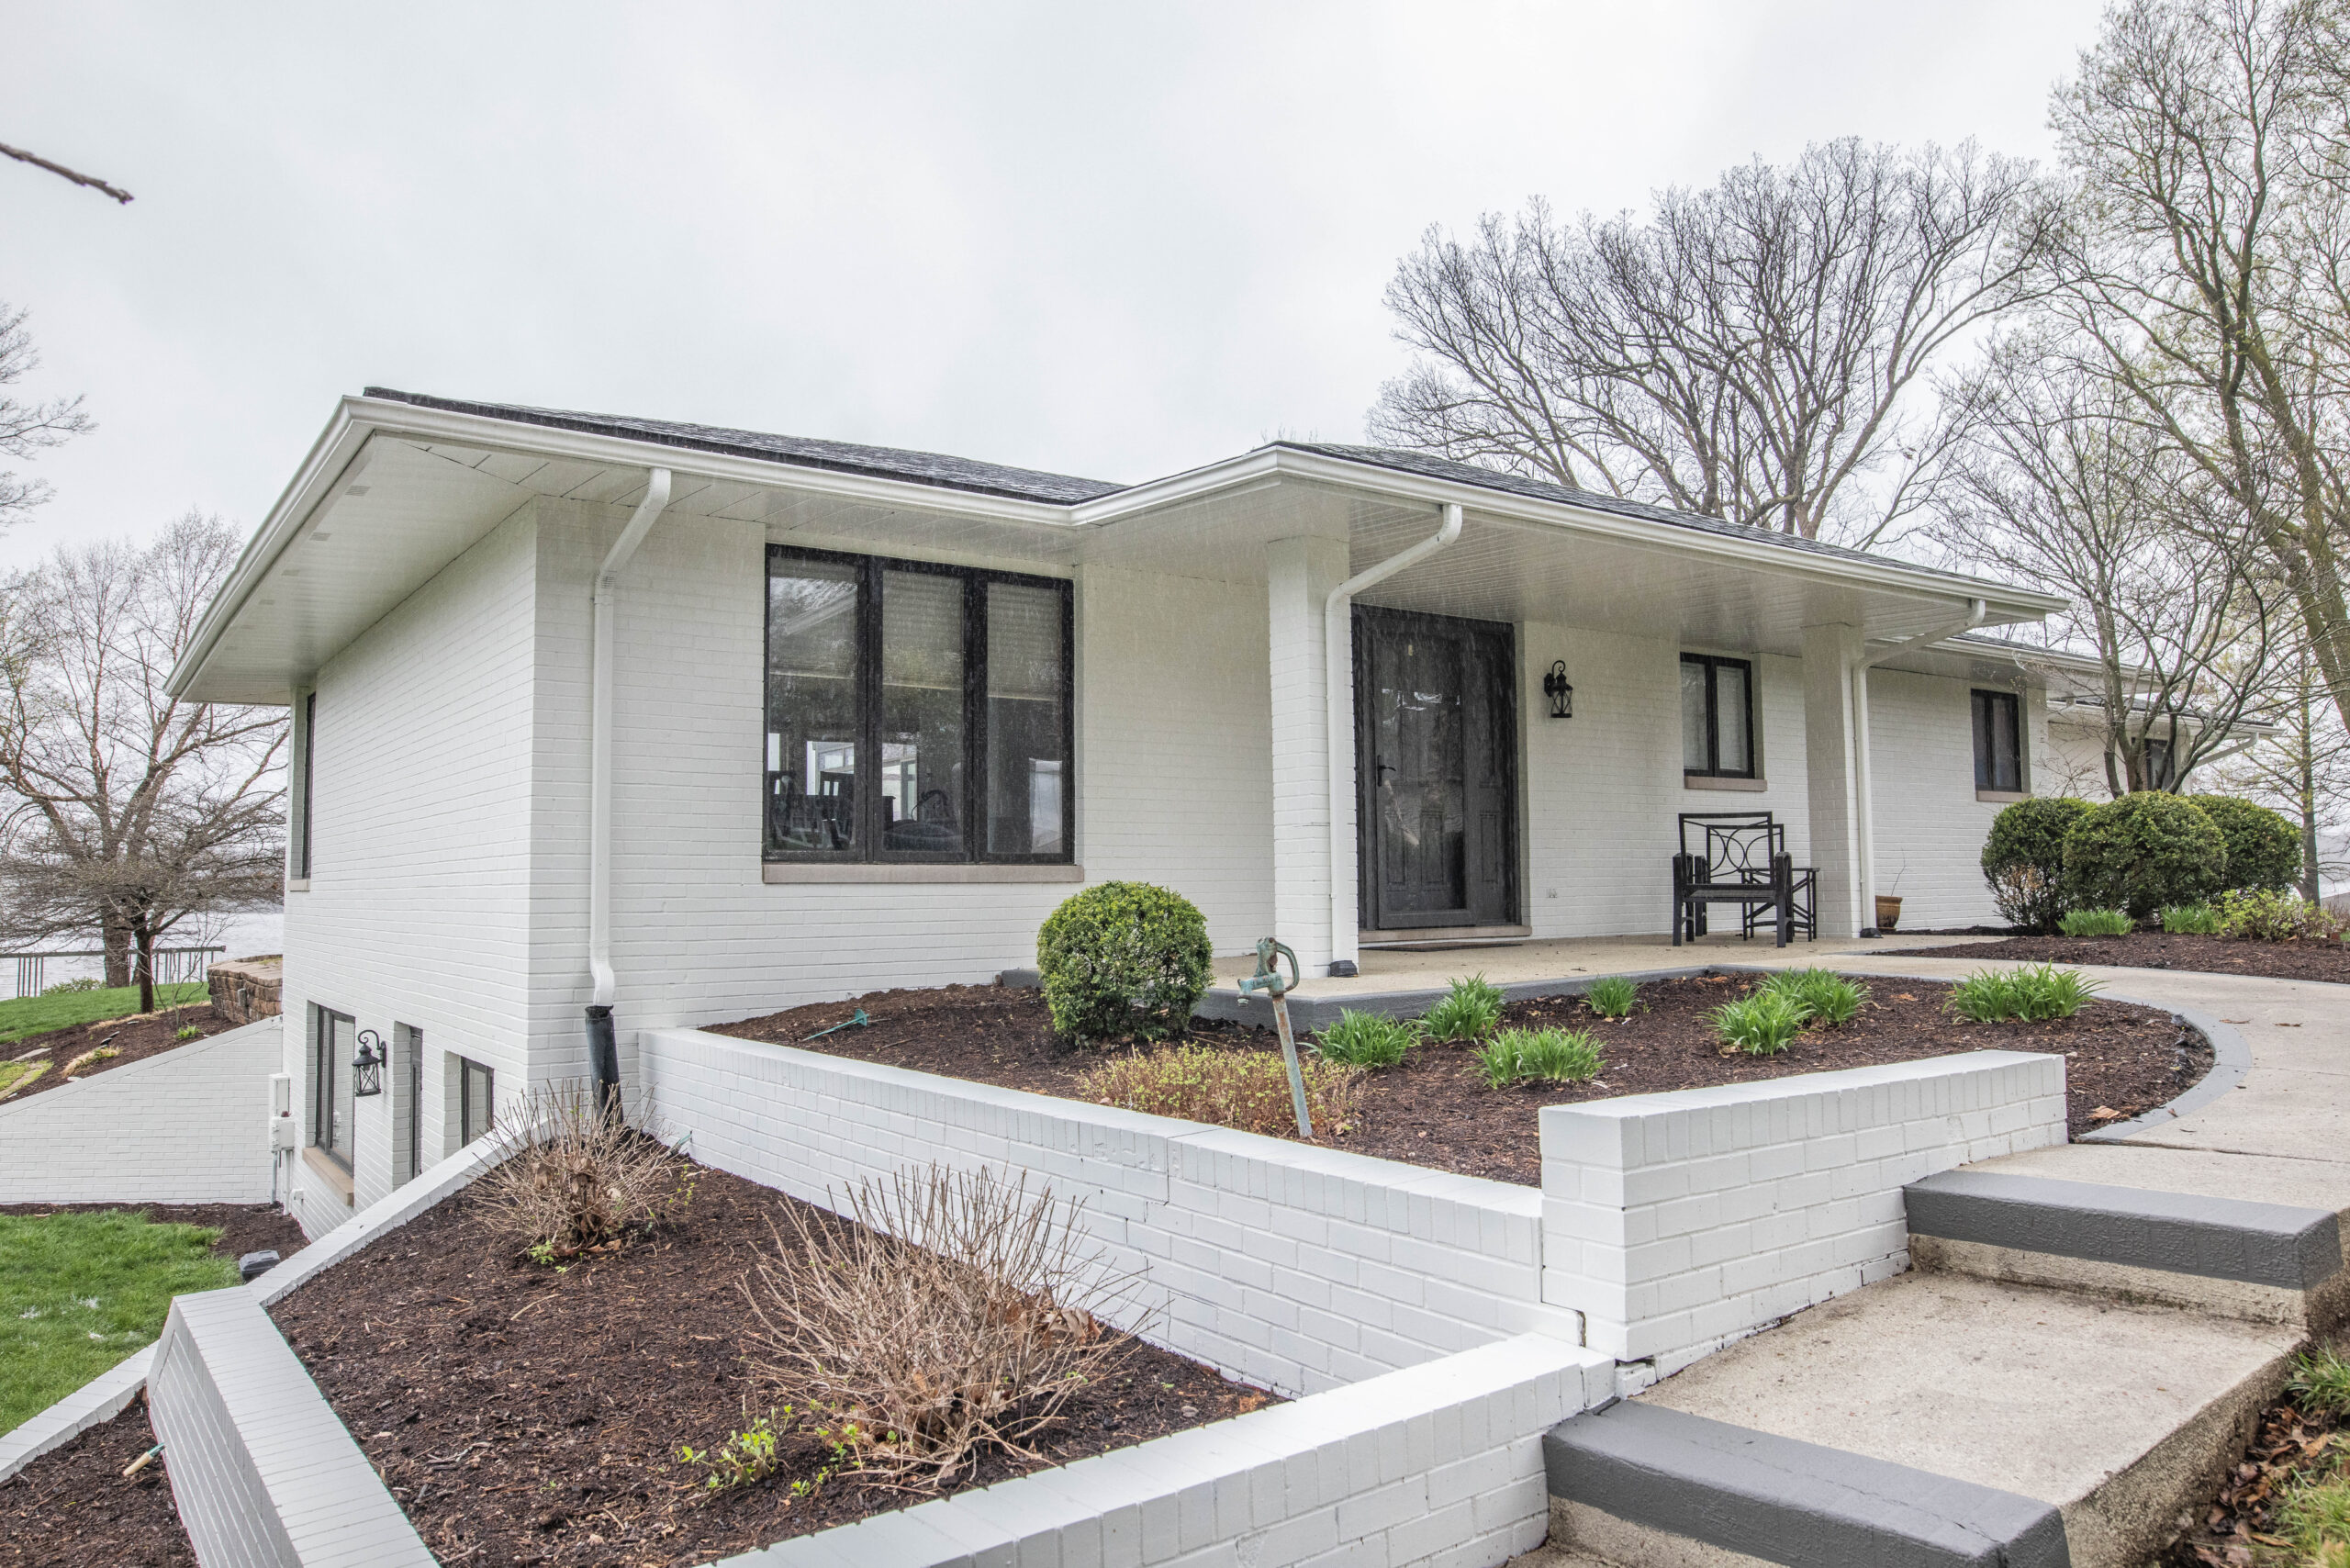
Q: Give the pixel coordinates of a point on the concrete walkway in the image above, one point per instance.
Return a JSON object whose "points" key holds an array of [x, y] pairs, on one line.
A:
{"points": [[2118, 1411]]}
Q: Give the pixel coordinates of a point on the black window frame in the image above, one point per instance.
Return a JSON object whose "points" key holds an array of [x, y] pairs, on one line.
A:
{"points": [[309, 750], [324, 1065], [1711, 664], [867, 848], [1982, 701]]}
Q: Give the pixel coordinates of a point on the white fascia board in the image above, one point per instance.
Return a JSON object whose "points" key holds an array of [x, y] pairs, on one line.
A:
{"points": [[1254, 469]]}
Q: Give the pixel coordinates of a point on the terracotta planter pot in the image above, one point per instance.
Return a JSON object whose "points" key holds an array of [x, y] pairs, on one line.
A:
{"points": [[1888, 912]]}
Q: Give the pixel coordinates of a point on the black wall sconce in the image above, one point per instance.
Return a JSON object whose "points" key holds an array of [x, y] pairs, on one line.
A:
{"points": [[1561, 694], [367, 1066]]}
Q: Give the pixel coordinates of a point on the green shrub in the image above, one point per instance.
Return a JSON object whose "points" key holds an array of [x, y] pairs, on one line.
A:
{"points": [[1762, 1024], [2263, 849], [67, 988], [1366, 1039], [2191, 920], [1826, 996], [1469, 1011], [2028, 991], [2097, 923], [2277, 917], [1612, 997], [1556, 1056], [1122, 960], [2142, 852], [2023, 860]]}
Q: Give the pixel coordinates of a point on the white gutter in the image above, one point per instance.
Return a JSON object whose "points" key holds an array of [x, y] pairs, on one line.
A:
{"points": [[1864, 808], [600, 764], [1339, 689]]}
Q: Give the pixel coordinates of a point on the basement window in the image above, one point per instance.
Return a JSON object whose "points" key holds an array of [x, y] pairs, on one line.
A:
{"points": [[477, 1099], [915, 714]]}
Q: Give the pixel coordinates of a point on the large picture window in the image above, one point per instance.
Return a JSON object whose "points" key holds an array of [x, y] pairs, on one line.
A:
{"points": [[915, 713], [1717, 716], [1999, 744]]}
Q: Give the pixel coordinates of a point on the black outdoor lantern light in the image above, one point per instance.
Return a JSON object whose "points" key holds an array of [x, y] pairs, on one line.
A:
{"points": [[367, 1066], [1561, 694]]}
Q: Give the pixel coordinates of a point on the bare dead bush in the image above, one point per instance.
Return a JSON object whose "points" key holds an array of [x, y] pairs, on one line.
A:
{"points": [[954, 1318], [568, 1178], [1247, 1090]]}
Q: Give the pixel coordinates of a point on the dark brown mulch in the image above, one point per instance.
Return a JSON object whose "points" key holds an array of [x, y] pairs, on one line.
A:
{"points": [[136, 1038], [2287, 1442], [72, 1508], [1434, 1110], [243, 1227], [524, 1417], [2160, 950]]}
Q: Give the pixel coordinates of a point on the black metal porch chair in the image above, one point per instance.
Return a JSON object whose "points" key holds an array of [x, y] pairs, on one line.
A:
{"points": [[1740, 858]]}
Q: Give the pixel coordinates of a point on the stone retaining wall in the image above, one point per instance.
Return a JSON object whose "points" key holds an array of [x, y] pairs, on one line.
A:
{"points": [[244, 989]]}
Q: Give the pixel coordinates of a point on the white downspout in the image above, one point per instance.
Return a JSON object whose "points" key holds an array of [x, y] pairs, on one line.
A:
{"points": [[599, 776], [1339, 690], [1864, 808]]}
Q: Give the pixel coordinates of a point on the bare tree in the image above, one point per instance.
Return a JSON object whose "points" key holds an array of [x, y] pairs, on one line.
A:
{"points": [[1752, 351], [28, 428], [2203, 262], [89, 182], [2049, 480], [2303, 770], [132, 811]]}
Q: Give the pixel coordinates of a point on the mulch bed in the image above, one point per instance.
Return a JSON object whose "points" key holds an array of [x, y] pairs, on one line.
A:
{"points": [[71, 1508], [2159, 950], [136, 1038], [1434, 1109], [524, 1416], [243, 1227], [2288, 1442]]}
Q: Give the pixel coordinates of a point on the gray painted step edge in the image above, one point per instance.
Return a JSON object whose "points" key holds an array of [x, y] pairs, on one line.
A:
{"points": [[2179, 1233], [1790, 1502]]}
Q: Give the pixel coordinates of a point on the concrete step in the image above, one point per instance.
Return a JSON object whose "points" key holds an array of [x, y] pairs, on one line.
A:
{"points": [[1643, 1483], [2264, 1262], [2117, 1416]]}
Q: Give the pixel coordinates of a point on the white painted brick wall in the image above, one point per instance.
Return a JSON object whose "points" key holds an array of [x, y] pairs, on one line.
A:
{"points": [[1439, 1466], [187, 1126], [1290, 1267], [1678, 1222]]}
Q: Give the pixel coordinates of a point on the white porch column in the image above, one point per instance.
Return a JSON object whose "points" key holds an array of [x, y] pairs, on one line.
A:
{"points": [[1829, 739], [1301, 573]]}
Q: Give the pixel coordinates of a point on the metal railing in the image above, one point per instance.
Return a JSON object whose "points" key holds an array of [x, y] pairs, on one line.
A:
{"points": [[173, 966]]}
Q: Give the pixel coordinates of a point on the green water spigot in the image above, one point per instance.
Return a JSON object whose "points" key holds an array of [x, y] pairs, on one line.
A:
{"points": [[1267, 976]]}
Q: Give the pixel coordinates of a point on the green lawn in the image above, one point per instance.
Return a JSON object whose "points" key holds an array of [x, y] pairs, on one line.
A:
{"points": [[79, 1292], [39, 1014]]}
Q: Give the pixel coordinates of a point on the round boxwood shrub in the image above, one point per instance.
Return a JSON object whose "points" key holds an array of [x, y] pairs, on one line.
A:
{"points": [[2142, 852], [2024, 860], [2263, 849], [1122, 960]]}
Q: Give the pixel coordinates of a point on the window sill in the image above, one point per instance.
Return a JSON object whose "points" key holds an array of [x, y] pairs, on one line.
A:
{"points": [[1708, 781], [2003, 797], [298, 884], [327, 1171], [775, 872]]}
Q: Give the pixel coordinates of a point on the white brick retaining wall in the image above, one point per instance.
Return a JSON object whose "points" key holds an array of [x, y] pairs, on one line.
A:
{"points": [[188, 1126], [1438, 1465], [1292, 1267], [1678, 1222], [264, 1473]]}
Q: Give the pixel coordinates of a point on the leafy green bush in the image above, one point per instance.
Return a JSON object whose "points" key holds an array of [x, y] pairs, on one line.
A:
{"points": [[1762, 1024], [2097, 923], [1613, 997], [2263, 849], [2191, 920], [1556, 1056], [1366, 1039], [2142, 852], [1469, 1011], [2277, 917], [1122, 960], [2023, 859], [2028, 991], [1826, 996], [67, 988]]}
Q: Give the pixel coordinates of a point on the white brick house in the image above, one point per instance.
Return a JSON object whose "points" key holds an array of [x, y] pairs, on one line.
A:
{"points": [[870, 714]]}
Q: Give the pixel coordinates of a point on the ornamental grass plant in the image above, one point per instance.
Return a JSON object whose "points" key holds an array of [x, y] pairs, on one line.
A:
{"points": [[1470, 1010], [1762, 1024], [2027, 993], [1366, 1039], [1612, 997], [1828, 997], [1550, 1056], [2097, 923], [2190, 920]]}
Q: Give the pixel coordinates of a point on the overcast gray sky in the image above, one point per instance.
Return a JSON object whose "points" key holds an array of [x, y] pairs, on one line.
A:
{"points": [[1113, 240]]}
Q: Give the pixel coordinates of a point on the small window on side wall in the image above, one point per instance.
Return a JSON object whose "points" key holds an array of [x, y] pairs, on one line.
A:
{"points": [[1999, 744], [477, 1099], [1717, 716]]}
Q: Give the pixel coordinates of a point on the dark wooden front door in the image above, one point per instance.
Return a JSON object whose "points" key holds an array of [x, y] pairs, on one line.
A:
{"points": [[1436, 760]]}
